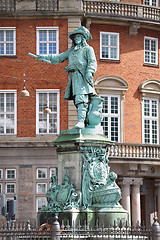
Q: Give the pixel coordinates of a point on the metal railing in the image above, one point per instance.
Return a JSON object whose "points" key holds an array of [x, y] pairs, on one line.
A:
{"points": [[140, 151], [118, 232], [119, 9]]}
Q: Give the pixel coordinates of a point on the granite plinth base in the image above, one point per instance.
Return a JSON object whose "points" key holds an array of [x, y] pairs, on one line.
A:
{"points": [[111, 216], [106, 217]]}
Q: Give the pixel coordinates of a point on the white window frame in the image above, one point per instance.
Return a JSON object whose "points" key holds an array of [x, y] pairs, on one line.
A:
{"points": [[15, 111], [11, 169], [14, 188], [38, 198], [52, 169], [110, 115], [14, 40], [45, 169], [45, 188], [48, 91], [47, 29], [1, 175], [156, 52], [150, 118], [151, 3], [118, 47]]}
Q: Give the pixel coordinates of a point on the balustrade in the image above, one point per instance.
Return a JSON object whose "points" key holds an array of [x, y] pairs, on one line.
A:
{"points": [[122, 10], [124, 150]]}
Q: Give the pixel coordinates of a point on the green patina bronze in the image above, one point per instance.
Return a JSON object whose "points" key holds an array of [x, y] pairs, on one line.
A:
{"points": [[99, 189], [81, 69], [61, 197], [97, 192]]}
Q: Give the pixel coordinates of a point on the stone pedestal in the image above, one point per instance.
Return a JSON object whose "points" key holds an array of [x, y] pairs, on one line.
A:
{"points": [[69, 151]]}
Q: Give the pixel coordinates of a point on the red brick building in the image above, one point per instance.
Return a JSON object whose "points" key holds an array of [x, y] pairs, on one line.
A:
{"points": [[126, 43]]}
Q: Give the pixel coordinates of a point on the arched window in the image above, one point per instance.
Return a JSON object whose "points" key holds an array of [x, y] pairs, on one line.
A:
{"points": [[150, 94], [112, 89]]}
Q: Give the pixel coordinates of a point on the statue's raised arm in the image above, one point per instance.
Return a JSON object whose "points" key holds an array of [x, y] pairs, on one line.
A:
{"points": [[81, 69]]}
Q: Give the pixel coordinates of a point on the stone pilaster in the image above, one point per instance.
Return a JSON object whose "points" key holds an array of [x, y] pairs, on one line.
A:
{"points": [[157, 184], [125, 184], [136, 206]]}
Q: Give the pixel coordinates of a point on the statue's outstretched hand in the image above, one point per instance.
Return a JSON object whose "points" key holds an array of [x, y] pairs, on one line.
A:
{"points": [[40, 58]]}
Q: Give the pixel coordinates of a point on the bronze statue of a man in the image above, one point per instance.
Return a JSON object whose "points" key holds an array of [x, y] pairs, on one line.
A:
{"points": [[81, 69]]}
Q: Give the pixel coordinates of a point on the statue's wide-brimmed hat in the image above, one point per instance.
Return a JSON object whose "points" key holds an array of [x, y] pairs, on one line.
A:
{"points": [[81, 30]]}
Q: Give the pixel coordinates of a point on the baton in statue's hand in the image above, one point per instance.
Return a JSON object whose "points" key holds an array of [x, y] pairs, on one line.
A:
{"points": [[39, 58]]}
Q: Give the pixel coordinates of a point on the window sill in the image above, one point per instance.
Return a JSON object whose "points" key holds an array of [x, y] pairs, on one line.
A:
{"points": [[109, 60], [150, 65]]}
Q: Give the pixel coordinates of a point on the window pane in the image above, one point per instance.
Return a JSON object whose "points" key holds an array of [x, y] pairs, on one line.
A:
{"points": [[52, 35], [53, 171], [154, 3], [42, 35], [114, 104], [113, 53], [53, 102], [43, 123], [41, 188], [146, 108], [42, 202], [42, 173], [105, 39], [9, 102], [1, 123], [42, 101], [114, 128], [147, 131], [105, 52], [9, 36], [1, 35], [10, 174], [52, 48], [109, 46], [105, 105], [113, 40], [151, 51], [1, 102], [153, 57], [47, 41], [154, 108], [154, 132], [153, 45], [53, 123], [10, 188], [9, 48], [48, 123], [147, 44], [147, 57], [1, 48], [43, 48], [105, 125]]}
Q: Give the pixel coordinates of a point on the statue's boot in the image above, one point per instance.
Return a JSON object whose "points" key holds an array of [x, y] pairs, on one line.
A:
{"points": [[82, 110]]}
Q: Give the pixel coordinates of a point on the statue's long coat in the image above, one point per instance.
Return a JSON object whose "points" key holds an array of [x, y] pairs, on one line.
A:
{"points": [[83, 60]]}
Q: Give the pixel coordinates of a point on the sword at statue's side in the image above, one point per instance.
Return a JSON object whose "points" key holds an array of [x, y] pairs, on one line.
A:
{"points": [[36, 57]]}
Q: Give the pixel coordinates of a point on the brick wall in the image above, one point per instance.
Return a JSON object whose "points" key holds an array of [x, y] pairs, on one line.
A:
{"points": [[131, 68], [38, 75]]}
